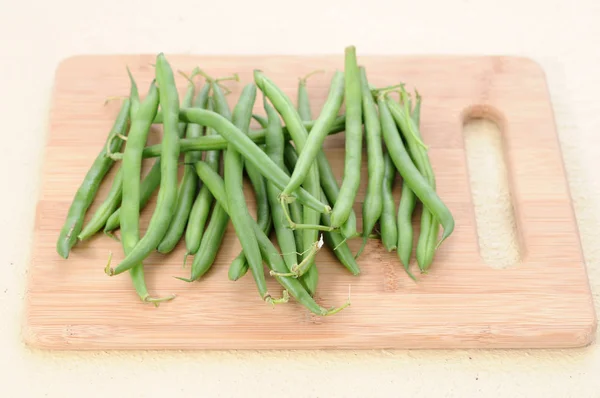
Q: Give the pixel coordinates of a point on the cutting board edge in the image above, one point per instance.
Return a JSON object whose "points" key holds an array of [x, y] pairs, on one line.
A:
{"points": [[587, 331]]}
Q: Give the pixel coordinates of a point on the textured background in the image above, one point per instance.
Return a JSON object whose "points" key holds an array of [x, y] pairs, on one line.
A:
{"points": [[563, 36]]}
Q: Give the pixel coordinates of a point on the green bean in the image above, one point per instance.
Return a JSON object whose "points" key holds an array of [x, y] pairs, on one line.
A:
{"points": [[339, 246], [141, 121], [311, 216], [311, 278], [268, 251], [406, 208], [408, 201], [189, 182], [333, 239], [303, 97], [212, 238], [373, 203], [111, 203], [149, 184], [274, 148], [239, 265], [219, 143], [203, 202], [236, 201], [217, 226], [89, 187], [352, 161], [317, 136], [387, 222], [410, 130], [409, 172], [261, 120], [289, 157], [167, 194], [327, 179], [296, 214], [151, 180], [251, 152]]}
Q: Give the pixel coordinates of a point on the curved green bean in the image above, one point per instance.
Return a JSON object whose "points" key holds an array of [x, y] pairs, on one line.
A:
{"points": [[212, 238], [406, 208], [318, 134], [408, 201], [409, 172], [167, 194], [352, 161], [113, 199], [132, 167], [239, 266], [236, 201], [209, 143], [189, 182], [203, 202], [373, 204], [89, 187], [387, 222], [148, 187], [275, 142], [261, 120]]}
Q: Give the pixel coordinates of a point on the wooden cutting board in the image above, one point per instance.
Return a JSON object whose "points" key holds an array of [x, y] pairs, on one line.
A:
{"points": [[541, 301]]}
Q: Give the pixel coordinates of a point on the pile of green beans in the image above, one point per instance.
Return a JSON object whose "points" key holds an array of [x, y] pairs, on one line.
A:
{"points": [[300, 204]]}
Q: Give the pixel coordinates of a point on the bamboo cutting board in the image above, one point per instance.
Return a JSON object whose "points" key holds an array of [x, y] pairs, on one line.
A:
{"points": [[543, 300]]}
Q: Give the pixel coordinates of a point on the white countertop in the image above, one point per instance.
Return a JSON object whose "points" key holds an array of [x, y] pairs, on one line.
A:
{"points": [[563, 36]]}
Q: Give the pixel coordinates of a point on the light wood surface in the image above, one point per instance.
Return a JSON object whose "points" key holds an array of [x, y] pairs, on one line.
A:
{"points": [[543, 301]]}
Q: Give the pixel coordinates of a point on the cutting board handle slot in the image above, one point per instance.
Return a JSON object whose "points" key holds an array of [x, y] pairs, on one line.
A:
{"points": [[497, 229]]}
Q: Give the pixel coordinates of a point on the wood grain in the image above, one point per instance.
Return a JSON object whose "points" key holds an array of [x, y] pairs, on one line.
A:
{"points": [[544, 301]]}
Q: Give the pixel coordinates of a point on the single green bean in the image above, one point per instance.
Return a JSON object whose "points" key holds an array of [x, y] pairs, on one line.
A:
{"points": [[339, 246], [111, 203], [239, 265], [216, 142], [251, 152], [372, 206], [203, 202], [167, 194], [236, 201], [289, 157], [352, 161], [408, 201], [261, 120], [275, 142], [149, 184], [141, 122], [406, 208], [318, 134], [409, 172], [387, 222], [268, 251], [89, 187], [189, 182], [212, 238]]}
